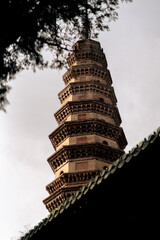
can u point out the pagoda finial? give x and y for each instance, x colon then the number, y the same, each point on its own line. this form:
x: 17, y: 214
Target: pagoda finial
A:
x: 86, y: 31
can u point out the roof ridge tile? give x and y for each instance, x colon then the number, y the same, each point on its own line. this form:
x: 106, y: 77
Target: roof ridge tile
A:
x: 158, y: 130
x: 121, y: 162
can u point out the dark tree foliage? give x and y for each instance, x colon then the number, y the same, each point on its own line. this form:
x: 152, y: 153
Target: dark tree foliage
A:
x: 29, y: 26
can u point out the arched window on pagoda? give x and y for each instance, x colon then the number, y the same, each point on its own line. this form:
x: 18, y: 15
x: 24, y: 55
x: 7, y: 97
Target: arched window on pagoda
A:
x: 105, y: 142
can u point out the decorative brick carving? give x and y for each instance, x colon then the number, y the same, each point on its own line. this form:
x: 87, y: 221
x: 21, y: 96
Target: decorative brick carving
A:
x: 85, y: 87
x: 90, y: 70
x: 87, y: 55
x: 87, y: 106
x: 60, y: 189
x: 79, y: 151
x: 94, y: 126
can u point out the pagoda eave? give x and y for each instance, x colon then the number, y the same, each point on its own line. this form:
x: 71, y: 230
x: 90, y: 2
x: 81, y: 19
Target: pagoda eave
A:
x: 88, y: 126
x: 70, y: 178
x: 88, y: 86
x: 87, y: 150
x: 97, y: 106
x: 87, y: 70
x: 66, y: 185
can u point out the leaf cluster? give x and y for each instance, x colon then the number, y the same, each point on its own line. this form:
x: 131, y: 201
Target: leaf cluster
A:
x: 29, y: 26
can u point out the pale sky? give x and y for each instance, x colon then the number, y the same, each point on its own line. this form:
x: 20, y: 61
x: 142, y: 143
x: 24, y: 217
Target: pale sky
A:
x: 132, y: 49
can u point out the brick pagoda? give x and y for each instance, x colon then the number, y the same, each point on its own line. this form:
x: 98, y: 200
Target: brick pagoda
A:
x: 89, y: 137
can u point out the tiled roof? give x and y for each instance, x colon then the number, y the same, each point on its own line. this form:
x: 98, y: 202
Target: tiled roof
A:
x: 96, y: 181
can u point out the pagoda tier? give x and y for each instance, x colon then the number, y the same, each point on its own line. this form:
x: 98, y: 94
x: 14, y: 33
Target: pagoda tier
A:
x: 75, y: 73
x: 87, y: 50
x: 74, y: 90
x: 87, y: 127
x: 72, y: 109
x: 79, y: 152
x: 89, y: 137
x: 66, y: 185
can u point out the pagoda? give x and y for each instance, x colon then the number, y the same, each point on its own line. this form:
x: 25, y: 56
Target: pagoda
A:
x: 89, y: 137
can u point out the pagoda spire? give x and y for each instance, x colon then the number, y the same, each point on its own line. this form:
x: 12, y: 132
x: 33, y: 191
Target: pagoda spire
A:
x: 86, y: 30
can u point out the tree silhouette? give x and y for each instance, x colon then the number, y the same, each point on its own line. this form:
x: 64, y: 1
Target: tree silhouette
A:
x: 29, y: 26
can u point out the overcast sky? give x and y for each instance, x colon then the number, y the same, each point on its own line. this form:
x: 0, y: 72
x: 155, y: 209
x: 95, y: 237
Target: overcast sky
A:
x: 132, y: 49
